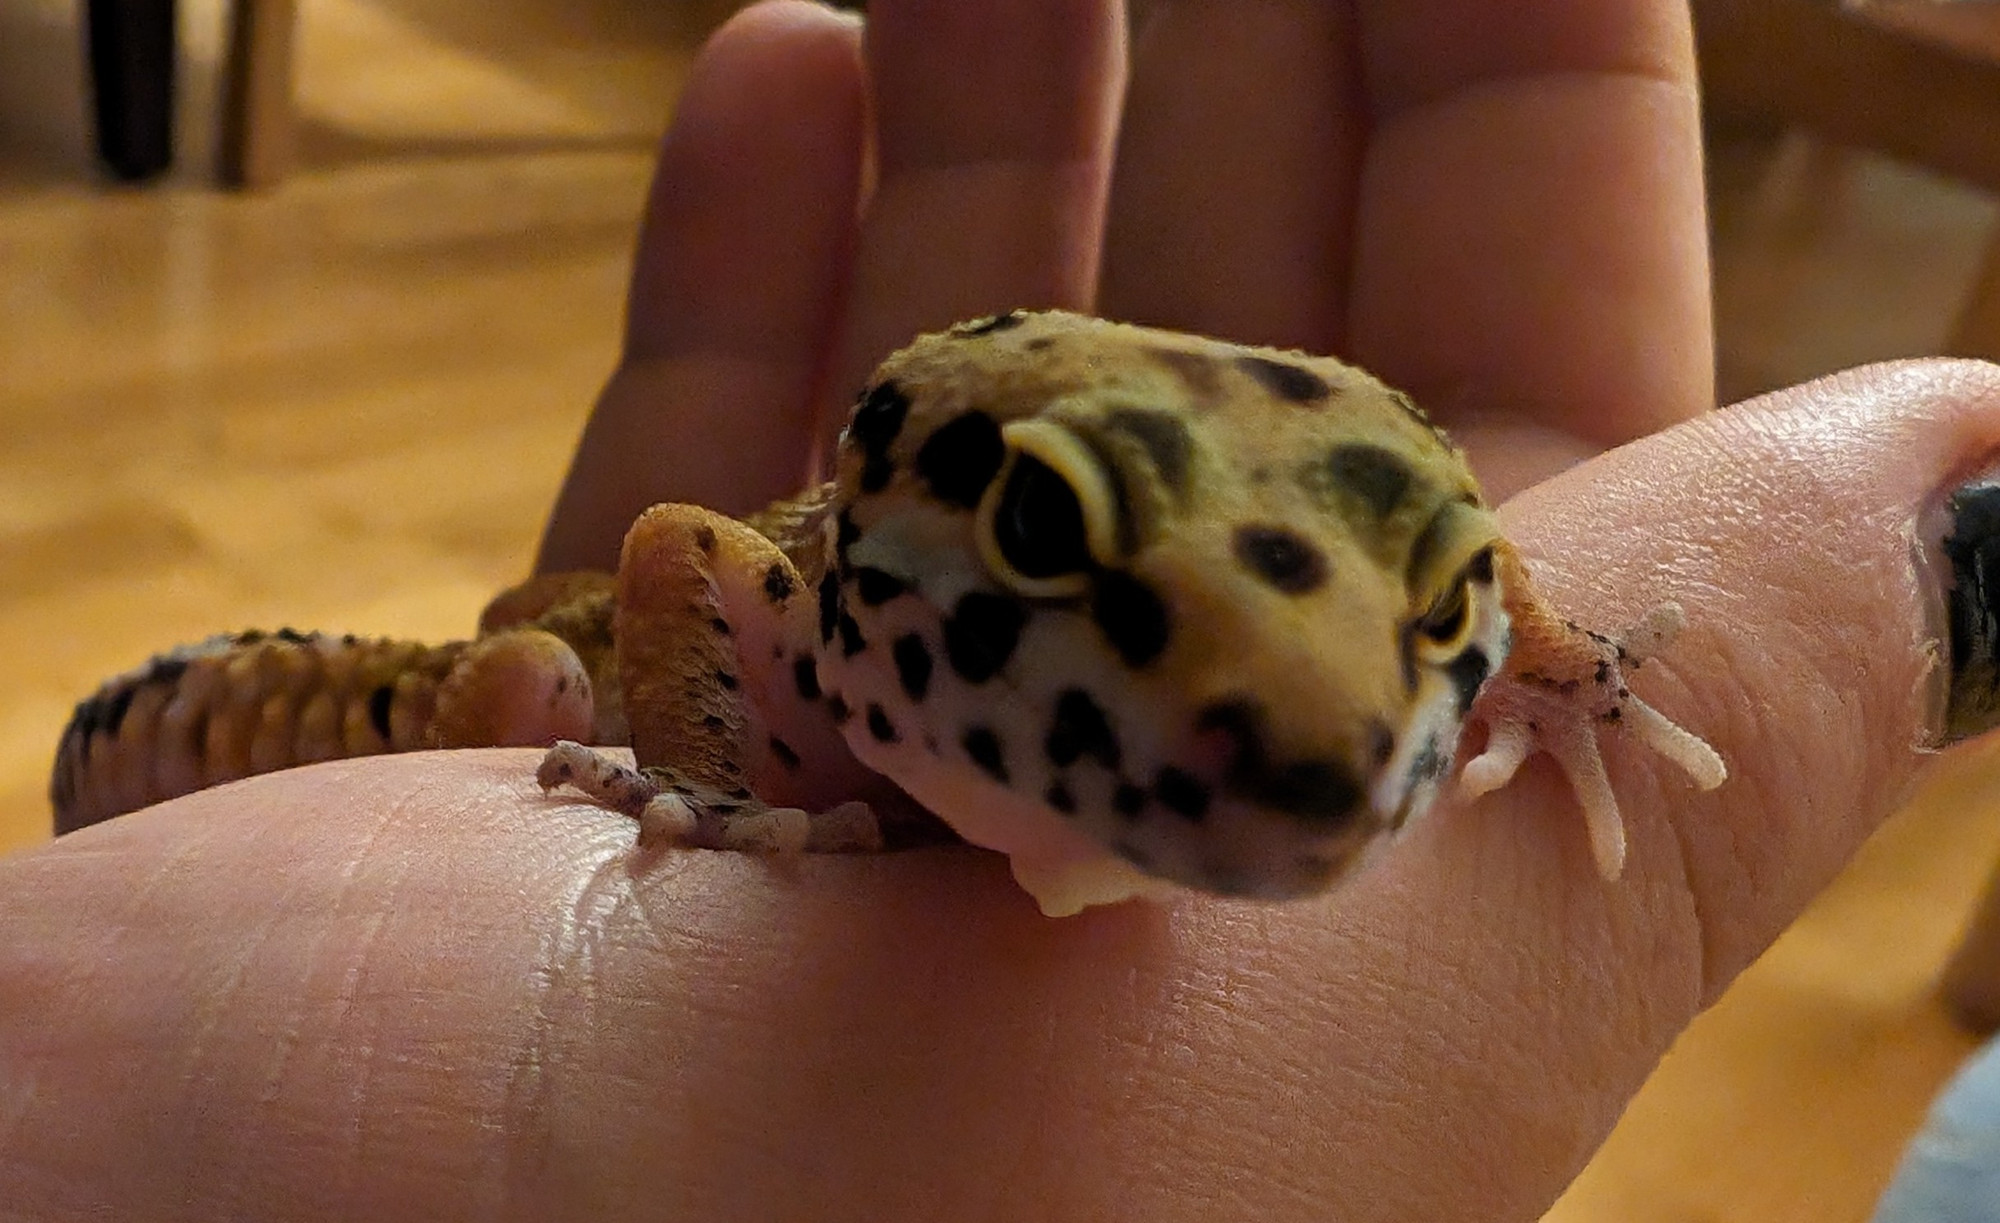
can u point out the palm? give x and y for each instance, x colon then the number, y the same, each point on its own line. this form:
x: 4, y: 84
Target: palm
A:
x: 1497, y: 207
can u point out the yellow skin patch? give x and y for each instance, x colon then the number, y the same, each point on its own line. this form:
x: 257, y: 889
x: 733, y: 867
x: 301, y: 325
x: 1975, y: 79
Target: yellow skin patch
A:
x: 1139, y: 609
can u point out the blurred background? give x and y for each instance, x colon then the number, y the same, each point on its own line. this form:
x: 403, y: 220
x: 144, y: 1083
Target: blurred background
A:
x: 343, y: 399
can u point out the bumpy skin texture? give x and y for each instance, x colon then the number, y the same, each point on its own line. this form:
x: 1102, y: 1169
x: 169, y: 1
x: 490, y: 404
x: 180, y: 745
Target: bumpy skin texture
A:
x: 1136, y: 608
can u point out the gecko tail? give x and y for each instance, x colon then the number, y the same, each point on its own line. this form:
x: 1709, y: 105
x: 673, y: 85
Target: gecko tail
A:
x: 248, y: 703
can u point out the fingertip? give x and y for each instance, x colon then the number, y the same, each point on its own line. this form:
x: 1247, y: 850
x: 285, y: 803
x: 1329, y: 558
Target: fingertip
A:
x: 742, y: 261
x: 752, y: 205
x: 1790, y: 530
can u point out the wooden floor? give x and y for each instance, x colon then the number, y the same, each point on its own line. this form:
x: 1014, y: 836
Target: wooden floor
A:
x: 347, y: 403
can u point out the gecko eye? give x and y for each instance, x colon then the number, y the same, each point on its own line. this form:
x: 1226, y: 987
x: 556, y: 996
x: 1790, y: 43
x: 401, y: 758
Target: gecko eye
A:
x: 1044, y: 523
x: 1038, y: 523
x: 1443, y: 630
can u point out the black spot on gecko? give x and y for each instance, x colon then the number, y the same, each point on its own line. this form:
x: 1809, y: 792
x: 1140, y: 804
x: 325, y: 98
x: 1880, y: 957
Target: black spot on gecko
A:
x: 1165, y: 439
x: 1059, y: 798
x: 851, y: 640
x: 715, y: 722
x: 778, y: 584
x: 727, y: 680
x: 805, y: 677
x: 1375, y: 477
x: 721, y: 626
x: 166, y: 670
x: 1182, y: 793
x: 961, y: 458
x: 1293, y: 383
x: 1480, y: 567
x: 1131, y: 616
x: 1196, y: 371
x: 876, y: 472
x: 109, y: 714
x: 878, y: 418
x: 981, y: 633
x: 784, y: 753
x: 1281, y: 557
x: 838, y: 709
x: 844, y: 534
x: 1468, y: 671
x: 879, y: 725
x: 1432, y: 763
x: 1081, y: 729
x: 293, y: 636
x: 913, y: 665
x: 704, y: 539
x: 829, y: 606
x: 990, y: 324
x: 983, y: 746
x: 1128, y: 800
x: 380, y: 702
x: 876, y: 586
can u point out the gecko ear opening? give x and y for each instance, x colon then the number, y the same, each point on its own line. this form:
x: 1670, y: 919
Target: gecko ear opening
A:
x: 1050, y: 517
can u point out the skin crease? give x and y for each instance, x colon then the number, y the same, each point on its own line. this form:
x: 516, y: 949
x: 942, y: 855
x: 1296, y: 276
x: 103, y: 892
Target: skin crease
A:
x: 414, y: 988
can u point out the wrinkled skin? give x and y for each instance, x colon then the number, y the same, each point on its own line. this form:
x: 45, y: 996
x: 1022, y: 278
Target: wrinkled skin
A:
x: 412, y: 987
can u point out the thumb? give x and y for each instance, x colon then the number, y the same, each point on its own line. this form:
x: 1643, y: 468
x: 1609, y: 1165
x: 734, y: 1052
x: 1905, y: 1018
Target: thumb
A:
x: 1802, y: 535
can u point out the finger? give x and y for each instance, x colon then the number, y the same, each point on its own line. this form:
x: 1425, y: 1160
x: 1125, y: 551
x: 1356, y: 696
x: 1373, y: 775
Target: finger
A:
x: 993, y: 127
x: 1530, y: 236
x: 736, y: 284
x: 1784, y: 529
x: 1233, y: 197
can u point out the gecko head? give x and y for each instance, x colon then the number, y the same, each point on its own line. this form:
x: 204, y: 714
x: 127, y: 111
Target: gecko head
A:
x: 1220, y: 610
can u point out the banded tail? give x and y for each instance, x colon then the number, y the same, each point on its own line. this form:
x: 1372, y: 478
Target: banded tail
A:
x: 241, y: 704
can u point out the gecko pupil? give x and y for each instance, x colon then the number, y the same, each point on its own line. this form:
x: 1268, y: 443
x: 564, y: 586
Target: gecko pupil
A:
x: 1446, y: 621
x: 1039, y: 525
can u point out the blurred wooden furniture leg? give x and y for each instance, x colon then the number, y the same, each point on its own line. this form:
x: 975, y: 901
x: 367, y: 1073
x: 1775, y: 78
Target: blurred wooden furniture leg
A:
x: 132, y: 84
x: 1972, y: 979
x: 1976, y: 333
x: 255, y: 145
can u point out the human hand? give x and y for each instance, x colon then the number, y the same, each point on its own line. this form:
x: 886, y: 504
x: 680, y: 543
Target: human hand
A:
x: 412, y: 987
x: 1497, y: 207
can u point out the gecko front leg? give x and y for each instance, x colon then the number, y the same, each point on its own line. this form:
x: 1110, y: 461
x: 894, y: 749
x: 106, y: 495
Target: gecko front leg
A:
x: 1560, y: 686
x: 736, y: 746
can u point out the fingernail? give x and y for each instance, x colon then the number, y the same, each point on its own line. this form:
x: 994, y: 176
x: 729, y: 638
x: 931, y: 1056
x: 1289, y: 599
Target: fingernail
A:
x: 1971, y: 548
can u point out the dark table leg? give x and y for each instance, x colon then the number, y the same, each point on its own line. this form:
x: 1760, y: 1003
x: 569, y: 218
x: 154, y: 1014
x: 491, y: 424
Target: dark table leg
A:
x: 132, y: 78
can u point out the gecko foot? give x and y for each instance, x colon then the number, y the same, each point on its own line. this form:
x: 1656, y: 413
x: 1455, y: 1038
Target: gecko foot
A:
x: 1562, y: 684
x: 671, y: 810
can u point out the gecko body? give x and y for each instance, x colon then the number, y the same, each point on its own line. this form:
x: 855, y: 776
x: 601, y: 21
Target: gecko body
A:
x: 1139, y: 609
